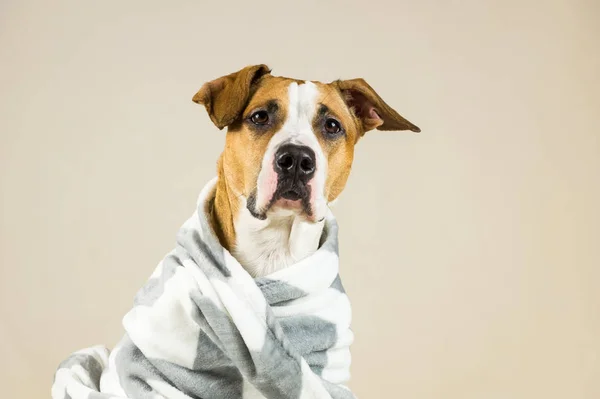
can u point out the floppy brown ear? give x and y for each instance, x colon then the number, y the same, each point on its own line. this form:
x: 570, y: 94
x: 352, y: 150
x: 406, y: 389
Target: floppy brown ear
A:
x: 373, y: 112
x: 225, y: 98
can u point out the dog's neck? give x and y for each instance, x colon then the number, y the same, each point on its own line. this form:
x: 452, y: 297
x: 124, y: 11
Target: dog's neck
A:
x: 265, y: 246
x: 261, y: 246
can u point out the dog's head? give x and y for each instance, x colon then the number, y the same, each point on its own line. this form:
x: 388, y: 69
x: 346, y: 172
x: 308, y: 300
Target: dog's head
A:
x: 290, y: 143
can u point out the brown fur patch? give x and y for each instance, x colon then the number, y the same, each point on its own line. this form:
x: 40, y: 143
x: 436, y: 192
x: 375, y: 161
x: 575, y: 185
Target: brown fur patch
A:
x: 339, y: 151
x: 245, y: 145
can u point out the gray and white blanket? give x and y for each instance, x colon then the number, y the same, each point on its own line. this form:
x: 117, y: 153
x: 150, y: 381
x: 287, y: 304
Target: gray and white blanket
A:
x: 202, y: 327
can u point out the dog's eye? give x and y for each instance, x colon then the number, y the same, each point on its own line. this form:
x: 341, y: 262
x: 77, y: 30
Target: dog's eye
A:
x: 332, y: 126
x: 260, y: 117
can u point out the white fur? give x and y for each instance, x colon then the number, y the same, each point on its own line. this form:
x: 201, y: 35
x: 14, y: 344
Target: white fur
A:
x: 284, y: 237
x: 265, y: 246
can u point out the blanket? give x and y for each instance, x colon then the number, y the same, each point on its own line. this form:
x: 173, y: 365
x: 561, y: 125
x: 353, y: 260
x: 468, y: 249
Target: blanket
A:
x: 202, y: 327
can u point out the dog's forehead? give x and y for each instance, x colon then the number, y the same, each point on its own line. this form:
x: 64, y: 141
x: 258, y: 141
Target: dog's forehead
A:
x: 297, y: 92
x: 273, y: 88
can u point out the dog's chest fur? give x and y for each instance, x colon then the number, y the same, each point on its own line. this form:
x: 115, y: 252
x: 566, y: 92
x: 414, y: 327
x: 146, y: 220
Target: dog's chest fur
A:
x: 265, y: 246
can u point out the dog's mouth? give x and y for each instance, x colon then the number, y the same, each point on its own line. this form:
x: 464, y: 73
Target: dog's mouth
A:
x: 291, y: 191
x: 289, y: 194
x: 292, y: 194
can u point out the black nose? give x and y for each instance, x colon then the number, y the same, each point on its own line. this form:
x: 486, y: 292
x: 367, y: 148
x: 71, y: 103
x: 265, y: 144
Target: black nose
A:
x: 295, y: 161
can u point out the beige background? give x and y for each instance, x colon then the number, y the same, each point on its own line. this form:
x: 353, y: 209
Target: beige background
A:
x: 471, y: 252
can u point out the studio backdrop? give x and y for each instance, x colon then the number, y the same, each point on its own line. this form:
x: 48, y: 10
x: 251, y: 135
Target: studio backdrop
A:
x: 470, y: 251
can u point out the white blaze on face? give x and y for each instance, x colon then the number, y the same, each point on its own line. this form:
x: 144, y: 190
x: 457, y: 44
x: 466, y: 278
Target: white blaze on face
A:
x: 297, y: 129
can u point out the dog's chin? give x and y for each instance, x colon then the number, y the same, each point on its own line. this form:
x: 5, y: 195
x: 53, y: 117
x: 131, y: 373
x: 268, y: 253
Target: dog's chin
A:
x: 283, y: 204
x: 287, y: 207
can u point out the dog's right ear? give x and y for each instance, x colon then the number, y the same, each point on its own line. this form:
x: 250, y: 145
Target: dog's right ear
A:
x: 225, y: 98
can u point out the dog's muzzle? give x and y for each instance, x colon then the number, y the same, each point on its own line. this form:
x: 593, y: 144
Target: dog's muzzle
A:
x: 295, y: 166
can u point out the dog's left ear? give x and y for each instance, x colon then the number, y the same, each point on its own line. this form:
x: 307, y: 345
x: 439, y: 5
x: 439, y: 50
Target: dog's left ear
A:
x: 225, y: 98
x: 372, y: 111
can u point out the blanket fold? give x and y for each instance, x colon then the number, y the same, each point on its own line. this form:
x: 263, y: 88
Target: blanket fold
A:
x: 202, y: 327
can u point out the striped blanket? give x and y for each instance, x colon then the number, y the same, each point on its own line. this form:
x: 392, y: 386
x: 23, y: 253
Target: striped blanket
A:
x: 202, y: 327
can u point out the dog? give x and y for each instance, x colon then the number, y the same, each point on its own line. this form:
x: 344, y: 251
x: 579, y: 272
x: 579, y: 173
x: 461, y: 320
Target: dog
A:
x: 225, y: 315
x: 288, y: 152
